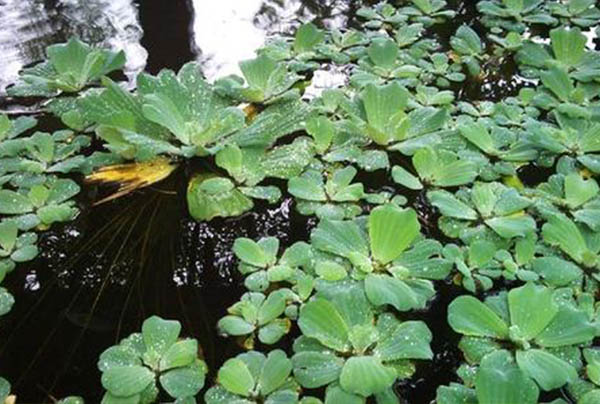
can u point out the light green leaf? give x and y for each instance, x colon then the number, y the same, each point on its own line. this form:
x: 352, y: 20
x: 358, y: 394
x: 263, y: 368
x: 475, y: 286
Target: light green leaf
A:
x: 546, y: 369
x: 366, y: 375
x: 579, y: 190
x: 234, y: 325
x: 306, y: 188
x: 561, y: 231
x: 319, y: 319
x: 275, y: 371
x: 512, y: 226
x: 568, y: 45
x: 342, y: 238
x: 13, y: 203
x: 181, y: 353
x: 184, y: 382
x: 568, y: 327
x: 316, y: 369
x: 384, y: 289
x: 384, y: 108
x: 531, y: 308
x: 469, y: 316
x: 8, y: 235
x: 123, y: 381
x: 307, y: 37
x: 210, y: 197
x: 159, y: 334
x: 403, y: 177
x: 383, y: 52
x: 235, y: 376
x: 6, y: 301
x: 477, y: 133
x: 410, y: 340
x: 450, y: 206
x: 500, y: 381
x: 250, y: 252
x: 558, y: 81
x: 391, y: 231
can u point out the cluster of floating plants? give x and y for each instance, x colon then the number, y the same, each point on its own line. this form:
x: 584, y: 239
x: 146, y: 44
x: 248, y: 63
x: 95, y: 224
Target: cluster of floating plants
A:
x: 526, y: 256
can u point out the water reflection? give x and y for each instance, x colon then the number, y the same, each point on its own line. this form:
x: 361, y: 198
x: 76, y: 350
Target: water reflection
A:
x: 27, y: 27
x: 228, y: 31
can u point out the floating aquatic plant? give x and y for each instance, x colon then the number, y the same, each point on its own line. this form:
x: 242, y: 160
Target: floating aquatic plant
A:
x: 458, y: 206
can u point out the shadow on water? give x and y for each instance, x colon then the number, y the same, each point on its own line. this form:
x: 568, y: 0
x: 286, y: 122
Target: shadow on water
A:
x: 100, y: 276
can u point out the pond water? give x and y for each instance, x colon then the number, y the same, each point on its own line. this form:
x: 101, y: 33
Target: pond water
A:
x: 100, y: 276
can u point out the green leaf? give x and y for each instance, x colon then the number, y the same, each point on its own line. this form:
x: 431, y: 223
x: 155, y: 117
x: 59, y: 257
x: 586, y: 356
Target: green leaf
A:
x: 558, y: 81
x: 185, y: 381
x: 546, y: 369
x: 272, y: 307
x: 556, y: 271
x: 340, y: 237
x: 512, y: 226
x: 6, y: 301
x: 307, y: 37
x: 383, y: 52
x: 319, y: 319
x: 500, y: 381
x: 218, y: 395
x: 258, y: 71
x: 335, y: 394
x: 561, y: 231
x: 450, y: 206
x: 568, y: 45
x: 231, y: 159
x: 8, y: 235
x: 384, y: 289
x: 210, y: 197
x: 443, y: 169
x: 306, y: 188
x: 234, y: 325
x: 13, y: 203
x: 118, y: 355
x: 478, y: 134
x: 250, y: 252
x: 391, y: 231
x: 467, y: 42
x: 366, y: 375
x: 405, y: 178
x: 409, y: 340
x: 272, y: 332
x: 235, y: 376
x: 330, y: 270
x: 123, y: 381
x: 568, y: 327
x: 469, y: 316
x: 531, y: 308
x: 316, y: 369
x: 25, y: 253
x: 384, y: 108
x: 579, y: 190
x: 182, y: 353
x: 322, y: 130
x: 159, y: 335
x: 274, y: 373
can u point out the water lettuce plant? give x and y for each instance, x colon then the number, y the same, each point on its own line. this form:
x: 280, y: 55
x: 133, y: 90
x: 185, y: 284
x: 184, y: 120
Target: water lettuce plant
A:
x: 253, y: 377
x: 69, y: 68
x: 343, y: 344
x: 457, y: 160
x: 133, y: 369
x: 536, y: 321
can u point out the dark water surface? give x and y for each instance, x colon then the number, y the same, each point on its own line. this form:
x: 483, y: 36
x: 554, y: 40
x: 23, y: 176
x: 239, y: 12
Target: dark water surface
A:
x: 100, y: 276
